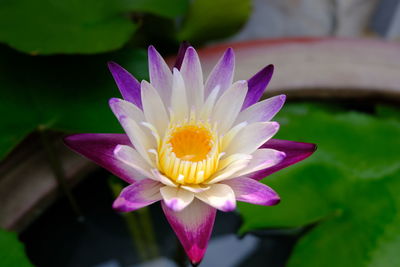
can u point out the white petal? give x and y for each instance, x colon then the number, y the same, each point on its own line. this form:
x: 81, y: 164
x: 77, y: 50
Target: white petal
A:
x: 252, y: 137
x: 209, y: 104
x: 228, y: 137
x: 193, y: 76
x: 140, y: 140
x: 179, y: 102
x: 222, y: 73
x: 195, y: 188
x: 231, y: 165
x: 131, y: 157
x: 229, y: 105
x: 153, y: 131
x: 219, y: 196
x: 176, y: 198
x: 153, y: 108
x: 262, y: 159
x: 160, y: 75
x: 123, y: 108
x: 262, y: 111
x: 162, y: 178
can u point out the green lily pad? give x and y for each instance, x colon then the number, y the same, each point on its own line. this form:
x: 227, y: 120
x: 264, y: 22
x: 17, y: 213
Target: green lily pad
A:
x: 59, y: 92
x: 348, y: 189
x: 214, y: 19
x: 12, y: 252
x: 75, y: 27
x: 168, y: 9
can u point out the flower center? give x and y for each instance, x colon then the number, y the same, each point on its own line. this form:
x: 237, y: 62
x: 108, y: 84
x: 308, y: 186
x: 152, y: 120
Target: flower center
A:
x: 189, y: 153
x: 191, y: 143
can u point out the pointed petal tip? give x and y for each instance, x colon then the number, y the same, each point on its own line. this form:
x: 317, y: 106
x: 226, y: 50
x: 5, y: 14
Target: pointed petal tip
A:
x: 191, y: 49
x: 111, y: 64
x: 122, y: 205
x: 175, y: 204
x: 117, y: 149
x: 295, y: 152
x: 126, y: 83
x: 191, y: 55
x: 257, y: 85
x: 119, y: 204
x: 282, y: 97
x: 114, y: 66
x: 113, y: 101
x: 144, y: 83
x: 315, y: 147
x: 229, y: 54
x: 195, y: 263
x: 273, y: 201
x: 267, y: 72
x: 151, y: 48
x: 69, y: 139
x: 152, y: 53
x: 74, y: 140
x: 275, y: 125
x: 229, y: 206
x: 242, y: 82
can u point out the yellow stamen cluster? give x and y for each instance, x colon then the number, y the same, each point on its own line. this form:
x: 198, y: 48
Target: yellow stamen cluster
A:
x: 189, y: 153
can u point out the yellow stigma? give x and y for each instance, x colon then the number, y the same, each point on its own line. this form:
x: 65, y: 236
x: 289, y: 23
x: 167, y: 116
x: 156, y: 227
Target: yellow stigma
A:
x: 189, y: 153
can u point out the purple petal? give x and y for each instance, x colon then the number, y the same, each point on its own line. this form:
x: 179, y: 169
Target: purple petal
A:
x: 295, y: 152
x: 262, y: 111
x: 251, y: 191
x: 160, y: 74
x: 138, y: 195
x: 193, y: 226
x: 257, y: 85
x: 127, y: 84
x: 181, y: 54
x: 222, y: 74
x: 100, y: 149
x: 193, y: 77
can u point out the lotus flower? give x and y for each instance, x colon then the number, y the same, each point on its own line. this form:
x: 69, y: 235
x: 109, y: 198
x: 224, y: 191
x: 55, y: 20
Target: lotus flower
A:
x: 198, y: 147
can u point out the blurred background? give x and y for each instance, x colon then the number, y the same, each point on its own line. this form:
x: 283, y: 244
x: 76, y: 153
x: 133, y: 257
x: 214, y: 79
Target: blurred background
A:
x: 338, y: 61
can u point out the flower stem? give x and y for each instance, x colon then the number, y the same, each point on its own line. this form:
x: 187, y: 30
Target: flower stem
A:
x: 55, y: 165
x: 148, y: 231
x: 140, y: 227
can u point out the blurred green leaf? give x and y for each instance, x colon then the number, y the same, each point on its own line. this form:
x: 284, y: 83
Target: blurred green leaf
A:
x: 12, y: 252
x: 74, y: 26
x: 361, y: 235
x: 64, y: 26
x: 59, y: 92
x: 214, y: 19
x: 168, y: 9
x: 349, y: 188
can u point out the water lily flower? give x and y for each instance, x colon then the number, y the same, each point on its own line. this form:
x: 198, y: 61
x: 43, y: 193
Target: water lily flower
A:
x: 195, y: 146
